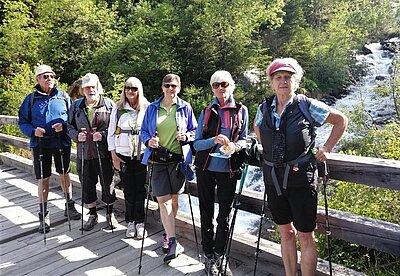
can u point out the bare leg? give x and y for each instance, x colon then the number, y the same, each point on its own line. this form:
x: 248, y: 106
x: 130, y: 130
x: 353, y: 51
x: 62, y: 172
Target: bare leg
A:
x: 175, y: 204
x: 308, y: 253
x: 64, y: 178
x: 167, y: 214
x: 288, y: 248
x: 43, y: 191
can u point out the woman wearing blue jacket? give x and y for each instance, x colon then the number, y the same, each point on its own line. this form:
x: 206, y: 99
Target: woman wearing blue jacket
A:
x: 43, y: 117
x: 168, y: 126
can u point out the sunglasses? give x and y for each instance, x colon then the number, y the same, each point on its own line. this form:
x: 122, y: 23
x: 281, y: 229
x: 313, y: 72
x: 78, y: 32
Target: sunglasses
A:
x: 48, y: 77
x: 131, y: 88
x: 167, y: 85
x: 223, y: 84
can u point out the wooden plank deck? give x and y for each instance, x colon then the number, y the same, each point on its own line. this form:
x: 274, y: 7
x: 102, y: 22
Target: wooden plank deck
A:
x: 100, y: 252
x: 97, y: 252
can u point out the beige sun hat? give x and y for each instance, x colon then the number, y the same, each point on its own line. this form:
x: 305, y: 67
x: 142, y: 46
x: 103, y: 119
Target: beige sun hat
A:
x: 43, y: 68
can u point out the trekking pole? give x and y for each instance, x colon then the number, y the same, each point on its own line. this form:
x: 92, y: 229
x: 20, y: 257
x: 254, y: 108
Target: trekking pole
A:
x: 262, y: 215
x: 63, y: 182
x: 147, y: 209
x: 41, y: 185
x: 190, y: 204
x: 235, y: 204
x: 103, y: 185
x: 324, y: 169
x: 82, y: 179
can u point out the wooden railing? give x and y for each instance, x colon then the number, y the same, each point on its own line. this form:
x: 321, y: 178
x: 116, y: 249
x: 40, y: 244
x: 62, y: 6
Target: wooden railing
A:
x: 374, y: 172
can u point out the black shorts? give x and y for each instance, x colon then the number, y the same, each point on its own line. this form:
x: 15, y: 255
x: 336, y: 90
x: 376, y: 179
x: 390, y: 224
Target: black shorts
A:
x: 166, y: 179
x: 297, y: 205
x: 47, y: 161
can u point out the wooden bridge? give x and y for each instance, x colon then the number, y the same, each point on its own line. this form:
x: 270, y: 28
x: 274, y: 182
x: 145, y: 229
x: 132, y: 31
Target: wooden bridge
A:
x: 99, y: 252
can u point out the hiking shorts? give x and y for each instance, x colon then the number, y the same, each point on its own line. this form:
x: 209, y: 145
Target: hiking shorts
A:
x: 297, y: 205
x: 166, y: 179
x: 47, y: 161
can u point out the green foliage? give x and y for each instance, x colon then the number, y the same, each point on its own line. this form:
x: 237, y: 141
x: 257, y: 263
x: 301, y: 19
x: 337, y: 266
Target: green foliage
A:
x: 14, y: 87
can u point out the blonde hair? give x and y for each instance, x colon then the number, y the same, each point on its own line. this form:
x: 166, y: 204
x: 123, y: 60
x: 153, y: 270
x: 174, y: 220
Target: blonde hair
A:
x: 141, y: 100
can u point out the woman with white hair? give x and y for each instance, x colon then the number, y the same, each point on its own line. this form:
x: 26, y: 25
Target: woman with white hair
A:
x: 222, y: 125
x: 285, y: 124
x: 88, y: 121
x: 127, y: 149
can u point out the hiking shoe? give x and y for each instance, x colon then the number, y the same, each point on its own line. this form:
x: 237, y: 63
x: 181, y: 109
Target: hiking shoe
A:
x: 92, y: 221
x: 221, y: 263
x: 73, y: 213
x: 44, y: 224
x: 165, y: 243
x: 174, y: 250
x: 131, y: 230
x: 111, y: 221
x: 140, y: 230
x: 210, y: 266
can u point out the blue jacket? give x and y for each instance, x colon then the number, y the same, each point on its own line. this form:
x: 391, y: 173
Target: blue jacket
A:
x: 185, y: 119
x: 46, y: 111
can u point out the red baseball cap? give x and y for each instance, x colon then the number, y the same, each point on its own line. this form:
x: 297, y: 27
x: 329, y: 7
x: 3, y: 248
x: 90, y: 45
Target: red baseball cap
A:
x: 279, y: 65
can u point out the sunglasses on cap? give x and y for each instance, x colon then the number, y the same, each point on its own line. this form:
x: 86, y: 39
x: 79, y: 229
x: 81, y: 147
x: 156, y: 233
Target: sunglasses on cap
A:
x: 168, y: 85
x: 131, y: 88
x: 223, y: 84
x: 48, y: 77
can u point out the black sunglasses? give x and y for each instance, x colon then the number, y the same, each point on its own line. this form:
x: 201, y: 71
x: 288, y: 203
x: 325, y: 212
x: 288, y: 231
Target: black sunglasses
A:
x: 48, y: 77
x: 168, y: 85
x: 223, y: 84
x: 131, y: 88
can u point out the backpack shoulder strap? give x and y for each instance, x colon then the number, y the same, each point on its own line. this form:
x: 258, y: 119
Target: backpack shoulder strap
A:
x: 207, y: 114
x: 304, y: 105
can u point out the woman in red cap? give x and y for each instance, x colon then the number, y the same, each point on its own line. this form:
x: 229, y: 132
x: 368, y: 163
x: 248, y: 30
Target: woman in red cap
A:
x: 285, y: 124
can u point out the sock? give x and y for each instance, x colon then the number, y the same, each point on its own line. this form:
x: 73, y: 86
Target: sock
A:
x: 172, y: 240
x: 109, y: 209
x: 69, y: 196
x: 93, y: 211
x: 41, y: 207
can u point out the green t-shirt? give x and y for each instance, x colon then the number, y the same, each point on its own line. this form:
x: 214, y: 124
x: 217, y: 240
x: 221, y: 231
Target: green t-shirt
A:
x: 166, y: 128
x: 90, y: 111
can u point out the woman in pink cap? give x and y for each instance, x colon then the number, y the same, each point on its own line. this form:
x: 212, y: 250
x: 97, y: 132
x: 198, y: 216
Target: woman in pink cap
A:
x: 285, y: 124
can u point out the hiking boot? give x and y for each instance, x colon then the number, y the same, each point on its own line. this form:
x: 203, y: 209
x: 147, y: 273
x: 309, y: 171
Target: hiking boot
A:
x: 174, y: 250
x: 140, y: 230
x: 210, y: 266
x: 221, y: 263
x: 92, y: 221
x: 44, y: 224
x: 165, y: 243
x: 131, y: 230
x: 111, y: 221
x: 73, y: 213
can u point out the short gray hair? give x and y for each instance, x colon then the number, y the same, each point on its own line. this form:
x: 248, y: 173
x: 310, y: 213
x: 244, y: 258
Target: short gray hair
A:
x: 224, y: 76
